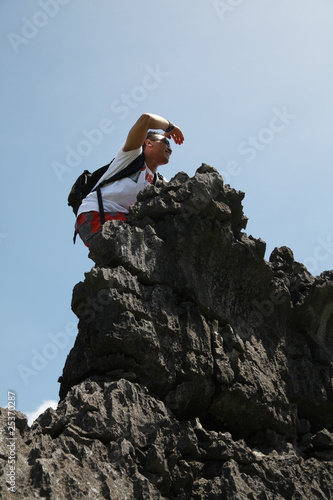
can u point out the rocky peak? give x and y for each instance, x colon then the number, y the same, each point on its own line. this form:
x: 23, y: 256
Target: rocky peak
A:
x: 200, y: 370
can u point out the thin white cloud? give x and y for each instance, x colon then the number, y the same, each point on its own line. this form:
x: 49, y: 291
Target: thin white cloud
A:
x: 34, y: 414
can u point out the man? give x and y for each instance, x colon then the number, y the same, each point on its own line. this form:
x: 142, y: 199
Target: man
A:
x: 119, y: 195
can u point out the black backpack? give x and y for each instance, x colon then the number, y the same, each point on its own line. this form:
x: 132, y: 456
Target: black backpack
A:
x: 85, y: 183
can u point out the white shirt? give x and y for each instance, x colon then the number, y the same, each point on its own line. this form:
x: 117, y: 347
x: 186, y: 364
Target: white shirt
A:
x: 119, y: 195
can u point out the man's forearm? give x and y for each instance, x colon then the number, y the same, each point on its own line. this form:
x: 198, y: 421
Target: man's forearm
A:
x: 138, y: 132
x: 156, y: 122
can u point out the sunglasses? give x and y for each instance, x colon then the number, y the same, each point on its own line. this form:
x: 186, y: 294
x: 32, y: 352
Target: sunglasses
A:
x: 164, y: 139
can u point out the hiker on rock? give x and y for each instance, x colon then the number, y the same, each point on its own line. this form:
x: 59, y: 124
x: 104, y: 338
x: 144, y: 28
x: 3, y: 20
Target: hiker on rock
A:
x: 133, y: 168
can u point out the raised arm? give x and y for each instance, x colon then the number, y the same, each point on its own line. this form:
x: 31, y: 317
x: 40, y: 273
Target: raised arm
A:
x: 147, y: 121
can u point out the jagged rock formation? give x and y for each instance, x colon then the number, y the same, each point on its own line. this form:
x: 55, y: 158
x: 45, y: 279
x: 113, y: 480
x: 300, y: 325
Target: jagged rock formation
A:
x: 200, y: 370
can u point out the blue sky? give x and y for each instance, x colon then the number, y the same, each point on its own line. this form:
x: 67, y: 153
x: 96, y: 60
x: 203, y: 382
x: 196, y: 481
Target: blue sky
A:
x: 249, y: 83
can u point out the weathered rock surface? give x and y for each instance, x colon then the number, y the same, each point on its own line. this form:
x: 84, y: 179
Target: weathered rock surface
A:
x: 200, y: 370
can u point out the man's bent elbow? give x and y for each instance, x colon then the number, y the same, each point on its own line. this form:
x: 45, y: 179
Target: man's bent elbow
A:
x: 144, y: 120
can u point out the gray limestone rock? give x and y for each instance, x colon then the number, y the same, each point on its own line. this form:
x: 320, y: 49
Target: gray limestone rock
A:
x: 200, y: 370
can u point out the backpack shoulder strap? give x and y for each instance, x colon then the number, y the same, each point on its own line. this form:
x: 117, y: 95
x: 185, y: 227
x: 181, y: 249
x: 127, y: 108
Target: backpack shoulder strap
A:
x: 100, y: 205
x: 158, y: 179
x: 132, y: 168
